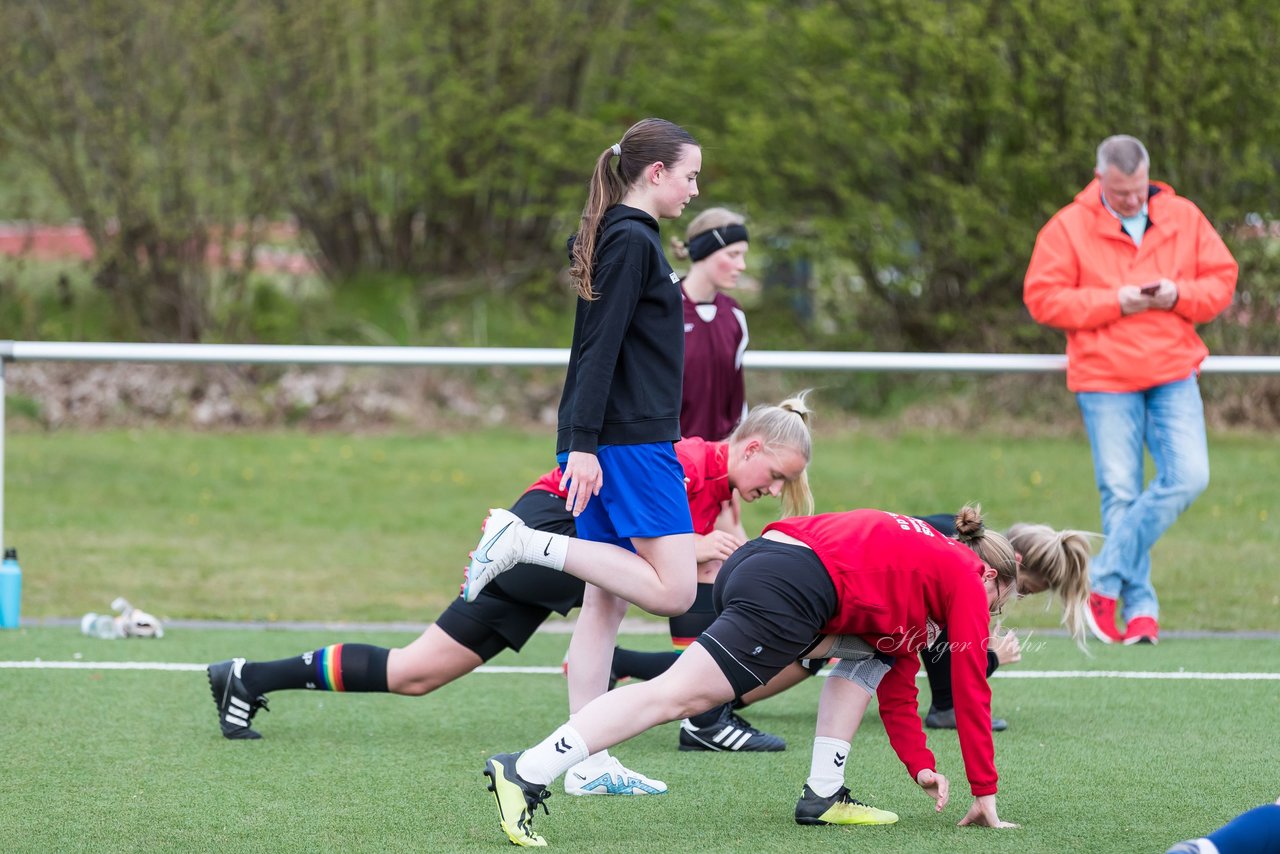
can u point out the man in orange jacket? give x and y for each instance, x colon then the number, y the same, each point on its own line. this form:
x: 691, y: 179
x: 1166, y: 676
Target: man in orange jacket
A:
x: 1127, y: 270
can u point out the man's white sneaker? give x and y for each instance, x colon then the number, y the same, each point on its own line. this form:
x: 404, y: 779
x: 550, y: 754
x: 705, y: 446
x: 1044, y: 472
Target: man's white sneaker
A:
x: 602, y: 774
x: 500, y: 549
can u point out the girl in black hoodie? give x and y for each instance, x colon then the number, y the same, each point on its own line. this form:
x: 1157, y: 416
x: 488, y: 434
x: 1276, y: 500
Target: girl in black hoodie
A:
x: 618, y: 421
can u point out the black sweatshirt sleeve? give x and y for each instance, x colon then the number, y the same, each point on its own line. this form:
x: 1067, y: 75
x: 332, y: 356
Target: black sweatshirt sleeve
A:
x: 604, y: 324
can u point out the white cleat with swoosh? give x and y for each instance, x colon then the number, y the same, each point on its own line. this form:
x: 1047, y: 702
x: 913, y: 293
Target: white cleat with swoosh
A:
x: 501, y: 548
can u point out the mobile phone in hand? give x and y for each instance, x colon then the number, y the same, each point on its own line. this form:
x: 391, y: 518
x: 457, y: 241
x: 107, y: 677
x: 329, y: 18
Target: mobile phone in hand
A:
x: 1149, y: 290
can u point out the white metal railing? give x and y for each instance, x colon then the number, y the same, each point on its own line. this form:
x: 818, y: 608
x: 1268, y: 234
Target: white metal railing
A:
x: 285, y: 354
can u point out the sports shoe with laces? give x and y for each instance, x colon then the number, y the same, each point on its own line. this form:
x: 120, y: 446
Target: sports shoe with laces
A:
x: 236, y: 704
x: 517, y: 799
x: 1142, y: 630
x: 602, y: 774
x: 500, y: 549
x: 729, y: 733
x: 838, y: 809
x: 946, y: 719
x: 1101, y: 617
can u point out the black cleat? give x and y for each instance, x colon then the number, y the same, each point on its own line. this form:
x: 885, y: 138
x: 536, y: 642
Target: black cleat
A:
x: 729, y: 733
x: 838, y: 809
x: 236, y: 706
x: 517, y: 800
x: 946, y: 719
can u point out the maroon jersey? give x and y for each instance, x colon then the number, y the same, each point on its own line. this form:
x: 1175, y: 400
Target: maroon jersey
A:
x: 715, y: 339
x: 897, y: 581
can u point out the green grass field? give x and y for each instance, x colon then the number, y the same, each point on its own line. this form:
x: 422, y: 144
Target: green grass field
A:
x: 338, y: 528
x: 108, y: 760
x: 289, y: 526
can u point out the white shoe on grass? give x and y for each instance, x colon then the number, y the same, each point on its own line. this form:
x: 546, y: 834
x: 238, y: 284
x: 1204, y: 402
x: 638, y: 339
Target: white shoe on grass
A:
x: 602, y: 774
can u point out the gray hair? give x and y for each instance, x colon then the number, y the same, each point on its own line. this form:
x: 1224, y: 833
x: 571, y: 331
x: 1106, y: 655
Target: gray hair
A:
x: 1126, y: 153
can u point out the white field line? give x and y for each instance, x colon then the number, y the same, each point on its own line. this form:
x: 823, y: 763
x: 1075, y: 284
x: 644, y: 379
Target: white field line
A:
x: 1178, y: 675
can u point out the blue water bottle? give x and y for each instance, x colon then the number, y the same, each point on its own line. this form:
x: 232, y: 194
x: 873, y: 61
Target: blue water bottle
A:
x: 10, y: 590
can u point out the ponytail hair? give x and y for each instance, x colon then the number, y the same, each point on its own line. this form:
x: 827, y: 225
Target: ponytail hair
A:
x: 992, y: 547
x: 647, y: 141
x: 784, y: 426
x: 1060, y: 559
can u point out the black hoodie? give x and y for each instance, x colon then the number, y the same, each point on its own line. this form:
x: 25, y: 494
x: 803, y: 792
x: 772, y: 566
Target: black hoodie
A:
x: 627, y: 361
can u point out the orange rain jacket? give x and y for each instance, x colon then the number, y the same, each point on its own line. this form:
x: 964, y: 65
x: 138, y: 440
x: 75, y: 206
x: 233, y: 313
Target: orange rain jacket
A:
x: 1082, y: 258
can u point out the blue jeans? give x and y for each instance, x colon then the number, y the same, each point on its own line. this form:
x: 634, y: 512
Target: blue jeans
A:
x: 1170, y: 420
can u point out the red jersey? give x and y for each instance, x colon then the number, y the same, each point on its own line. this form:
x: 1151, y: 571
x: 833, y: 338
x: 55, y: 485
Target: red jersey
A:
x: 715, y: 340
x: 706, y: 480
x: 897, y: 579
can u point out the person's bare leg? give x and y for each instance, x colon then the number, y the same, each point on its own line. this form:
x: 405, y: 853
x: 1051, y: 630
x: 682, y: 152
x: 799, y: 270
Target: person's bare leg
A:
x: 591, y: 648
x: 693, y: 684
x: 825, y: 799
x: 841, y: 708
x: 433, y: 660
x: 660, y: 577
x: 793, y: 675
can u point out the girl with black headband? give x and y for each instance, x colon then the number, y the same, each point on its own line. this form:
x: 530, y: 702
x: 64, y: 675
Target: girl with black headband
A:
x: 619, y: 416
x: 715, y: 327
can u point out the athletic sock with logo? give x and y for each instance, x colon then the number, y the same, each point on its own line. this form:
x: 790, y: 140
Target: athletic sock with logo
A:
x: 552, y: 756
x: 340, y: 667
x: 826, y: 769
x: 543, y: 548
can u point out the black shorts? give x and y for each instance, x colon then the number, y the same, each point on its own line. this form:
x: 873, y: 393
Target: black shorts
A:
x: 773, y: 600
x: 511, y: 607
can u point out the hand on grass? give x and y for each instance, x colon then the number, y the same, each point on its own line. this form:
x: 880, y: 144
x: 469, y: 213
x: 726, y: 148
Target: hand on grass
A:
x: 983, y: 814
x: 584, y: 478
x: 935, y: 786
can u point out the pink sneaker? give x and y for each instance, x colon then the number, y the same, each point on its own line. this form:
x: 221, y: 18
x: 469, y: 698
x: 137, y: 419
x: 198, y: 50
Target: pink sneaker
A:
x: 1102, y: 619
x: 1142, y: 630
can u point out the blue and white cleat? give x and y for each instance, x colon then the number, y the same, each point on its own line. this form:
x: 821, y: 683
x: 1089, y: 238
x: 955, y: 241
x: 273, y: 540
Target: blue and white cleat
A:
x: 602, y: 774
x: 500, y: 548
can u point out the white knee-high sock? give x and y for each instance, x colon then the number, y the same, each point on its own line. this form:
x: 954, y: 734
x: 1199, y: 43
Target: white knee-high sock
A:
x: 826, y: 769
x: 552, y: 756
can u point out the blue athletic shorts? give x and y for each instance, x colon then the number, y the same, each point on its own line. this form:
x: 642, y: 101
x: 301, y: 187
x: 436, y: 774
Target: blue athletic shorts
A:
x: 643, y: 495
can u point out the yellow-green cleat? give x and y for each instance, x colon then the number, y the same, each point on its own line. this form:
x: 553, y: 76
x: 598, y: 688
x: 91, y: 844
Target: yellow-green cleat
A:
x: 517, y: 800
x: 838, y: 809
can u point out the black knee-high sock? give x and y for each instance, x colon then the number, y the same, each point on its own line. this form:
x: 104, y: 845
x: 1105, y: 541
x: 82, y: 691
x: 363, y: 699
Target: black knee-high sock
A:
x: 937, y: 664
x: 630, y: 664
x: 686, y: 627
x: 340, y: 667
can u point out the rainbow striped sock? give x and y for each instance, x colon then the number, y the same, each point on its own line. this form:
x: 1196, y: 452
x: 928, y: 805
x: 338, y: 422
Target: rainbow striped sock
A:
x: 338, y: 667
x: 328, y: 665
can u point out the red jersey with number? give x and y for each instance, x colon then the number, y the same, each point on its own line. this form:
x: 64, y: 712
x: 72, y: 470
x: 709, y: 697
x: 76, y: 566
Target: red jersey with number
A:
x: 896, y: 578
x: 715, y: 341
x: 706, y: 480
